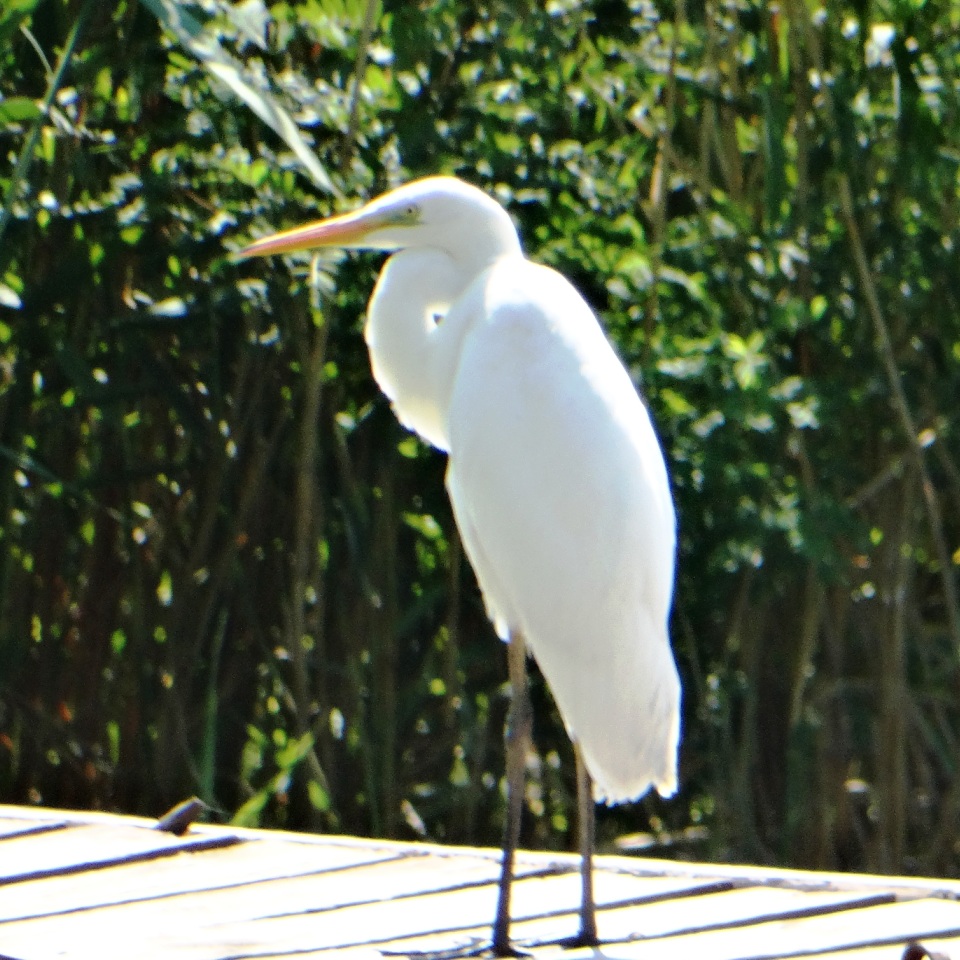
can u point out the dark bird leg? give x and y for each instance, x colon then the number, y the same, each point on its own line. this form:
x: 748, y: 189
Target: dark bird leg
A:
x: 518, y: 734
x: 587, y: 937
x: 587, y: 814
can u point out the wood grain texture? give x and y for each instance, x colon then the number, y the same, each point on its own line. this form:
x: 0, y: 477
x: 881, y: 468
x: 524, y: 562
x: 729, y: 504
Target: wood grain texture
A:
x: 112, y: 888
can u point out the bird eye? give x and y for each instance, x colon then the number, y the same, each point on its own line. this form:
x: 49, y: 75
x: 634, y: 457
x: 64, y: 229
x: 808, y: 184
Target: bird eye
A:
x: 405, y: 216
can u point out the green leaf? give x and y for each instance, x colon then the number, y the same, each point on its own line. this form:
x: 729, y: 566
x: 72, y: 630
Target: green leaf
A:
x: 19, y: 110
x: 208, y: 51
x: 295, y: 750
x: 118, y: 640
x: 319, y: 798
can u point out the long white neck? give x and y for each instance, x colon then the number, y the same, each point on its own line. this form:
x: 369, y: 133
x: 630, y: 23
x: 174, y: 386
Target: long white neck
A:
x: 407, y: 349
x: 414, y: 346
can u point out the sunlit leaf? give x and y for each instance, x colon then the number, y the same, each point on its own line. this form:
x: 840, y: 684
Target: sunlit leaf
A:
x: 229, y: 71
x: 9, y: 298
x: 18, y: 110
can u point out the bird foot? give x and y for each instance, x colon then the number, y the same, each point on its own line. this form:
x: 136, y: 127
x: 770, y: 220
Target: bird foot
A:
x: 474, y: 949
x: 507, y: 949
x: 582, y: 939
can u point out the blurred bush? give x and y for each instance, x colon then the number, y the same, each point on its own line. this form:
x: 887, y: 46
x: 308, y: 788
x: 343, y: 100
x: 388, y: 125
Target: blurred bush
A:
x: 225, y: 570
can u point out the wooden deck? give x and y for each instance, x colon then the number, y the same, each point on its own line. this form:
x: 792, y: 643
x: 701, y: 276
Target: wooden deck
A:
x: 101, y: 887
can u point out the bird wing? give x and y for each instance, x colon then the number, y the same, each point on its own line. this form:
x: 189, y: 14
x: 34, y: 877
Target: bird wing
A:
x: 561, y: 495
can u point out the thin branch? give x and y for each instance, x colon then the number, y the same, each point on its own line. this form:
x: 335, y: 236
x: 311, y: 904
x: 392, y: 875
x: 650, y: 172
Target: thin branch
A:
x: 306, y: 509
x: 656, y: 205
x: 901, y: 407
x: 32, y: 40
x: 359, y: 68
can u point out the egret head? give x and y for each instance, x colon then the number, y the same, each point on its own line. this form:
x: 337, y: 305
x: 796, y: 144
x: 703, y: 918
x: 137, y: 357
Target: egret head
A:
x: 440, y: 212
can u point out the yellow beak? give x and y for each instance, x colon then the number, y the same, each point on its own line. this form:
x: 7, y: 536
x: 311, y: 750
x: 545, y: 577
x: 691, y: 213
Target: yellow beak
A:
x: 342, y: 231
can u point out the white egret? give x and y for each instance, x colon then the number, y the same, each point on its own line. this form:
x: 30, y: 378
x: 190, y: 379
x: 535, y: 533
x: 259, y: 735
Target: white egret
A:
x: 555, y: 474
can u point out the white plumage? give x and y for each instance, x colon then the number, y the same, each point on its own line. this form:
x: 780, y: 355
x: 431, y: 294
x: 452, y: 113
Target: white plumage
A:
x: 555, y: 474
x: 561, y: 497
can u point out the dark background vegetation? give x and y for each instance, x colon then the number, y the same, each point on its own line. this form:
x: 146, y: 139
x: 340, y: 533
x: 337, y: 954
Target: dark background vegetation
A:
x: 226, y: 570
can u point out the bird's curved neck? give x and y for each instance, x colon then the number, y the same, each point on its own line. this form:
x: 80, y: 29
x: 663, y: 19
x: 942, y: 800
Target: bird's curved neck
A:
x: 414, y: 345
x: 413, y: 330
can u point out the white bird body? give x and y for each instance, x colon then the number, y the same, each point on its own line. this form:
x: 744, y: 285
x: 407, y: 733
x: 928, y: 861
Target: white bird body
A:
x: 559, y: 502
x: 556, y: 477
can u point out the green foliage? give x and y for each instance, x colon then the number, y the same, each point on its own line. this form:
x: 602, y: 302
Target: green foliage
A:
x: 225, y: 570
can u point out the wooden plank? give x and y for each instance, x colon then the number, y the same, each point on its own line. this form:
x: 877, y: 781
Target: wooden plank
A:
x: 307, y: 912
x: 78, y: 848
x: 316, y: 940
x: 711, y: 909
x: 740, y: 907
x: 11, y: 827
x: 775, y: 934
x: 796, y: 879
x: 251, y: 876
x: 892, y: 924
x: 109, y: 888
x: 463, y: 915
x: 949, y: 947
x: 180, y: 874
x: 48, y: 815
